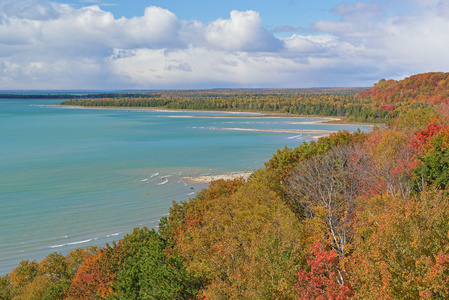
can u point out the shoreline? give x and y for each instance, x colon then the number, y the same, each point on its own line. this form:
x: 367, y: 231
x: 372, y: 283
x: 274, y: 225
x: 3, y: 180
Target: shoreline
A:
x: 203, y: 179
x: 233, y: 114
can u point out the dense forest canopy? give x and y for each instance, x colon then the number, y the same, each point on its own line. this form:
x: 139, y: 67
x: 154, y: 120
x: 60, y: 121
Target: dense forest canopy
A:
x: 430, y: 88
x: 352, y: 215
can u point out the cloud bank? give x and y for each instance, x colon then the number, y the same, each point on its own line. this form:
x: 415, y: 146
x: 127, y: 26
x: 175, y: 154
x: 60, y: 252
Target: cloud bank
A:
x: 46, y: 45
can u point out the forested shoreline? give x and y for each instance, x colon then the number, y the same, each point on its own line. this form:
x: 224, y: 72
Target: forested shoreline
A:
x: 352, y: 215
x: 331, y: 102
x: 382, y: 103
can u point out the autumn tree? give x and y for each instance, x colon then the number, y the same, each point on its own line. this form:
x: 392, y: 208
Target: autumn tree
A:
x: 323, y: 281
x: 5, y: 288
x: 394, y: 159
x: 23, y: 275
x: 422, y: 137
x: 97, y: 274
x: 246, y: 245
x: 327, y: 185
x: 402, y: 248
x: 435, y: 162
x: 443, y: 112
x: 415, y: 119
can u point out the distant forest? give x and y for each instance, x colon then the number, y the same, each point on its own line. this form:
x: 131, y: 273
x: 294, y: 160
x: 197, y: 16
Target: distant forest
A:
x: 350, y: 216
x: 338, y: 102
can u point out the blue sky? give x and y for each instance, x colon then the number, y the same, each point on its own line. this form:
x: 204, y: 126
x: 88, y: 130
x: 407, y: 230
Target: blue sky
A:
x: 292, y: 12
x: 191, y: 44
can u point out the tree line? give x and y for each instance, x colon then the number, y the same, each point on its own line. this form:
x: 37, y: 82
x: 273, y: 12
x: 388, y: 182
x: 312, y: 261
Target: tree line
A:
x: 338, y: 102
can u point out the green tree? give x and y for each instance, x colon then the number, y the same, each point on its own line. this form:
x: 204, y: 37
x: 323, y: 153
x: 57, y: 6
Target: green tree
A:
x: 5, y: 288
x: 149, y: 270
x: 415, y: 119
x: 435, y: 162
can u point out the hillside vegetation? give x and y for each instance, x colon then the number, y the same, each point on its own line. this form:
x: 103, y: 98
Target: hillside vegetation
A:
x: 430, y: 88
x: 352, y: 215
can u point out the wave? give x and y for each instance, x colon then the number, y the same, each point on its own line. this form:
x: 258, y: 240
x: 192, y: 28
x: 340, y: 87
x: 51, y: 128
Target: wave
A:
x: 80, y: 242
x: 84, y: 241
x: 72, y: 243
x: 297, y: 137
x: 113, y: 234
x: 163, y: 182
x: 151, y: 178
x: 204, y: 127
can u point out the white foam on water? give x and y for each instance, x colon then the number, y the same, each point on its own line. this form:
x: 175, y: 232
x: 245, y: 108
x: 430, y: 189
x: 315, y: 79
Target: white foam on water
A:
x: 80, y: 242
x: 163, y: 182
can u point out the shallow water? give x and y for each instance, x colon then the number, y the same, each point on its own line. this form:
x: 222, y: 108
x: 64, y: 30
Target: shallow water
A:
x: 77, y: 177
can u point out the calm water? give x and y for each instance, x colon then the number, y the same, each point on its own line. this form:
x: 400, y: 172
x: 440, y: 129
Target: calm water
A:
x: 77, y: 177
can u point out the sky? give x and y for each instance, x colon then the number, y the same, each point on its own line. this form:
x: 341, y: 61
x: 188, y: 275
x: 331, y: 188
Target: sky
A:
x: 199, y: 44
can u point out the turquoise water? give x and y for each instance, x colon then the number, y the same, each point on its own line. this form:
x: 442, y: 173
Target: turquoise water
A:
x: 77, y: 177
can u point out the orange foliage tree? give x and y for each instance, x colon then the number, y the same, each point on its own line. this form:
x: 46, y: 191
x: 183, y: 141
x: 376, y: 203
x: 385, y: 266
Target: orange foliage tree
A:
x: 97, y: 274
x: 402, y: 248
x: 245, y: 245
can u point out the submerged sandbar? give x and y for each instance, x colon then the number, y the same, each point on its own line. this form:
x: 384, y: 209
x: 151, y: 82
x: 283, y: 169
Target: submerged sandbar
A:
x: 212, y: 177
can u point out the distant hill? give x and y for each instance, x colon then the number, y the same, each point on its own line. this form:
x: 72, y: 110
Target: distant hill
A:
x: 430, y: 88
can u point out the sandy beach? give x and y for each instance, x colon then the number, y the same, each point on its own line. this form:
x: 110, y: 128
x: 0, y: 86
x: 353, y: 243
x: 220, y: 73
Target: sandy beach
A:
x: 212, y: 177
x: 231, y: 114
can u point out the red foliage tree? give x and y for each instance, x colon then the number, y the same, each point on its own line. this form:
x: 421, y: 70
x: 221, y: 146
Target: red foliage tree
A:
x: 422, y: 137
x: 97, y: 274
x: 324, y: 280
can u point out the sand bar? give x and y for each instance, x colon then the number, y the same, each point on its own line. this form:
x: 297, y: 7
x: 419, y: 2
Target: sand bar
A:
x: 212, y: 177
x: 316, y: 133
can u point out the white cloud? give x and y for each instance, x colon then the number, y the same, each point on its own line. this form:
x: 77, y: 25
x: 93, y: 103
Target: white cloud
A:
x: 241, y: 32
x: 300, y: 44
x: 82, y: 46
x: 417, y: 42
x: 157, y: 28
x: 48, y: 45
